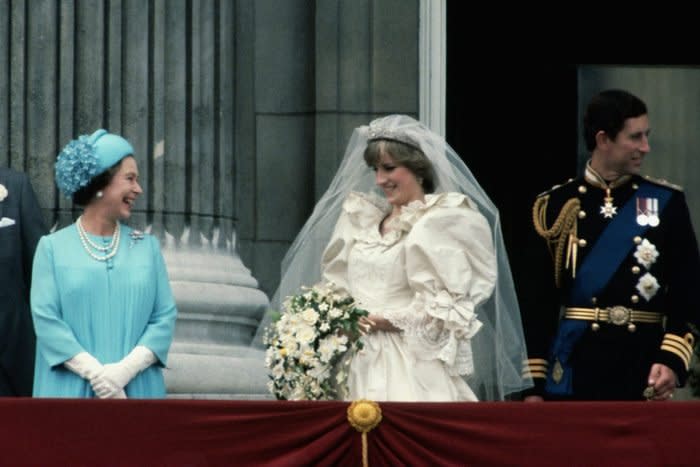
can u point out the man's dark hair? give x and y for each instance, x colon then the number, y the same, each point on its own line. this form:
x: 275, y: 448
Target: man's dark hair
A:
x: 607, y: 112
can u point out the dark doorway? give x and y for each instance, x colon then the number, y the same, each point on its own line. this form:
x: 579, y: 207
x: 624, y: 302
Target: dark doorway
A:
x: 514, y: 121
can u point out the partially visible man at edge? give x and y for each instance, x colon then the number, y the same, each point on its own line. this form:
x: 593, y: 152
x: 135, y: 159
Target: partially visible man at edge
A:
x: 21, y: 227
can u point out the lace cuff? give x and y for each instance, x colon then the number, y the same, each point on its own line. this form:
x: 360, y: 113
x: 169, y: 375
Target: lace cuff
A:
x: 442, y: 330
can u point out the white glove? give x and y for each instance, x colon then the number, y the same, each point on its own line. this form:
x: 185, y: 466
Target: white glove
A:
x: 116, y: 376
x: 84, y: 365
x: 88, y: 367
x: 107, y: 389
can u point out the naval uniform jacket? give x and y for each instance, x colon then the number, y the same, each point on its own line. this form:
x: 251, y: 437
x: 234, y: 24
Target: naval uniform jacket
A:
x: 612, y: 361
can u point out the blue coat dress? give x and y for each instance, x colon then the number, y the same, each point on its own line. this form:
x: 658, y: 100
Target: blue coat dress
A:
x: 103, y: 308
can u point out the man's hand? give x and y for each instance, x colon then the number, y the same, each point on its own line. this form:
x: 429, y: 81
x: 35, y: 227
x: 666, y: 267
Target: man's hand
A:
x: 663, y: 381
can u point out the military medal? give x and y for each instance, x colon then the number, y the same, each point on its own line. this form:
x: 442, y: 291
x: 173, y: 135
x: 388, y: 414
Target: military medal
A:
x: 648, y: 212
x: 654, y: 212
x: 608, y: 210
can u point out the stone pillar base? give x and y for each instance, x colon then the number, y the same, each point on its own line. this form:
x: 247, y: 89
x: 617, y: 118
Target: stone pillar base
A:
x: 216, y: 372
x: 219, y: 310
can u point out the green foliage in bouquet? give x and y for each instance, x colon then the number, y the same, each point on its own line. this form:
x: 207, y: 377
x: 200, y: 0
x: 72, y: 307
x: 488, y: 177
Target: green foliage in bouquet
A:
x: 310, y: 344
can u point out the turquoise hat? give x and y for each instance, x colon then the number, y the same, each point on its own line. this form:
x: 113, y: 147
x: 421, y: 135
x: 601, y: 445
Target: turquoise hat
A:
x: 89, y: 155
x: 110, y: 149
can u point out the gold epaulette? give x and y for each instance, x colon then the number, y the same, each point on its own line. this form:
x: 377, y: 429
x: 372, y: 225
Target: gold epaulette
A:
x: 663, y: 182
x: 682, y: 347
x: 562, y: 234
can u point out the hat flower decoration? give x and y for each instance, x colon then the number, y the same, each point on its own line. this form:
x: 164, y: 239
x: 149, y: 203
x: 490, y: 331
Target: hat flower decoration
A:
x: 76, y: 165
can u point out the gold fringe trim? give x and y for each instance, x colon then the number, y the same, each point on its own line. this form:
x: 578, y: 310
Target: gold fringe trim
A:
x: 562, y: 234
x: 364, y: 415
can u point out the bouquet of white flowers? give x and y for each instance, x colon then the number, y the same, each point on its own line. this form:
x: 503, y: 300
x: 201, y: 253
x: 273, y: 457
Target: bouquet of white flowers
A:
x: 310, y: 342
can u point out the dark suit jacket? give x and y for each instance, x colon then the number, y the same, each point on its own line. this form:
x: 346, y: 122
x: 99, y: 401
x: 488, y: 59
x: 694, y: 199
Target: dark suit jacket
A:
x: 17, y: 245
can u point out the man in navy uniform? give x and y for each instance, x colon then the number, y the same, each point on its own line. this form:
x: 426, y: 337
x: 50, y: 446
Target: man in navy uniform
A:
x: 21, y: 226
x: 615, y: 272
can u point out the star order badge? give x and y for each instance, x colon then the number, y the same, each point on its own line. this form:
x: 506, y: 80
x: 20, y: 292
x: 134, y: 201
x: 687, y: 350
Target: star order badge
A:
x: 608, y: 210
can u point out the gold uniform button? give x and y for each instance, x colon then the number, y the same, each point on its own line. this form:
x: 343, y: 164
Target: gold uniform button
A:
x: 637, y: 239
x: 582, y: 242
x: 635, y: 186
x: 582, y: 214
x: 634, y: 298
x: 582, y: 189
x: 594, y: 300
x: 635, y: 269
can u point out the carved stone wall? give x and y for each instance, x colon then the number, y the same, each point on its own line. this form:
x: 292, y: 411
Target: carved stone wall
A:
x: 239, y: 111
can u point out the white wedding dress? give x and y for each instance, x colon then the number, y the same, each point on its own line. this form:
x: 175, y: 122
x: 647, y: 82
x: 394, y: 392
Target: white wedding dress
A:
x: 426, y: 275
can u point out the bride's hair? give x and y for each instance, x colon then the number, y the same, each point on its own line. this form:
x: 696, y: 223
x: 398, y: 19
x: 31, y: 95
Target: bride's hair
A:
x: 405, y: 155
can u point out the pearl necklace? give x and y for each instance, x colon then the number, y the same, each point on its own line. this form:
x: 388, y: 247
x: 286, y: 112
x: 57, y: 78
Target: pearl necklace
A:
x: 109, y: 250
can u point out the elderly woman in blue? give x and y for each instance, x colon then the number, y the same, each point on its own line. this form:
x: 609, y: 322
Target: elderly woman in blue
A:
x: 103, y: 310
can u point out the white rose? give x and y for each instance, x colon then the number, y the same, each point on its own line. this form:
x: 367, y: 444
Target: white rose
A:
x: 3, y: 192
x: 306, y: 334
x: 310, y: 316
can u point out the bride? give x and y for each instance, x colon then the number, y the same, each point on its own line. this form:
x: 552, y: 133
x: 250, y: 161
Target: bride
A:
x: 422, y: 251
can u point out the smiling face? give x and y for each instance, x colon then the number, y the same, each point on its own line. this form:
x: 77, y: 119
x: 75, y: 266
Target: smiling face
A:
x: 624, y: 154
x: 121, y: 193
x: 399, y: 184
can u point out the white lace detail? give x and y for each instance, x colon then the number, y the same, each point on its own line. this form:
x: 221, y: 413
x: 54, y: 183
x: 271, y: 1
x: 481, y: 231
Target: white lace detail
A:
x: 444, y: 330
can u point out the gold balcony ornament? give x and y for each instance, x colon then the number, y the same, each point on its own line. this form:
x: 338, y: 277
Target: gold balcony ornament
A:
x: 364, y: 415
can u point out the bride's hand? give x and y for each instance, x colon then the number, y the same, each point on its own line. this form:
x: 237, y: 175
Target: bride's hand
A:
x: 367, y: 325
x: 373, y: 323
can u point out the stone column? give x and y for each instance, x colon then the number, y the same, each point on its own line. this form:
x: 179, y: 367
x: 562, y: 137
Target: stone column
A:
x: 219, y: 308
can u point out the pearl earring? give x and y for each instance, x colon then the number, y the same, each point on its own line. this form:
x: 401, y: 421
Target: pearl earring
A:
x: 99, y: 194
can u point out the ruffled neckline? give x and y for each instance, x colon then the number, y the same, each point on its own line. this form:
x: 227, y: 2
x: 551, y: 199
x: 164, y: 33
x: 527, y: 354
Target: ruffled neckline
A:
x: 366, y: 212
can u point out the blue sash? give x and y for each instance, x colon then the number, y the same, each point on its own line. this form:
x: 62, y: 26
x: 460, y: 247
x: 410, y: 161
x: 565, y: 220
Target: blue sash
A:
x: 595, y: 272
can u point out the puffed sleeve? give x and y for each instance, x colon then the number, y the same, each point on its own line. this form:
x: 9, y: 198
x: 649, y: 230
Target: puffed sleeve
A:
x: 451, y: 267
x: 55, y: 339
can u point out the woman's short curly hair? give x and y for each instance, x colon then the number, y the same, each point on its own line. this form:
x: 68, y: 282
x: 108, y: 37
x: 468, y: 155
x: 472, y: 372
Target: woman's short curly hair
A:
x: 405, y: 155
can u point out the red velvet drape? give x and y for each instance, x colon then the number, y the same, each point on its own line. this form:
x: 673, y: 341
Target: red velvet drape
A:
x: 211, y: 433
